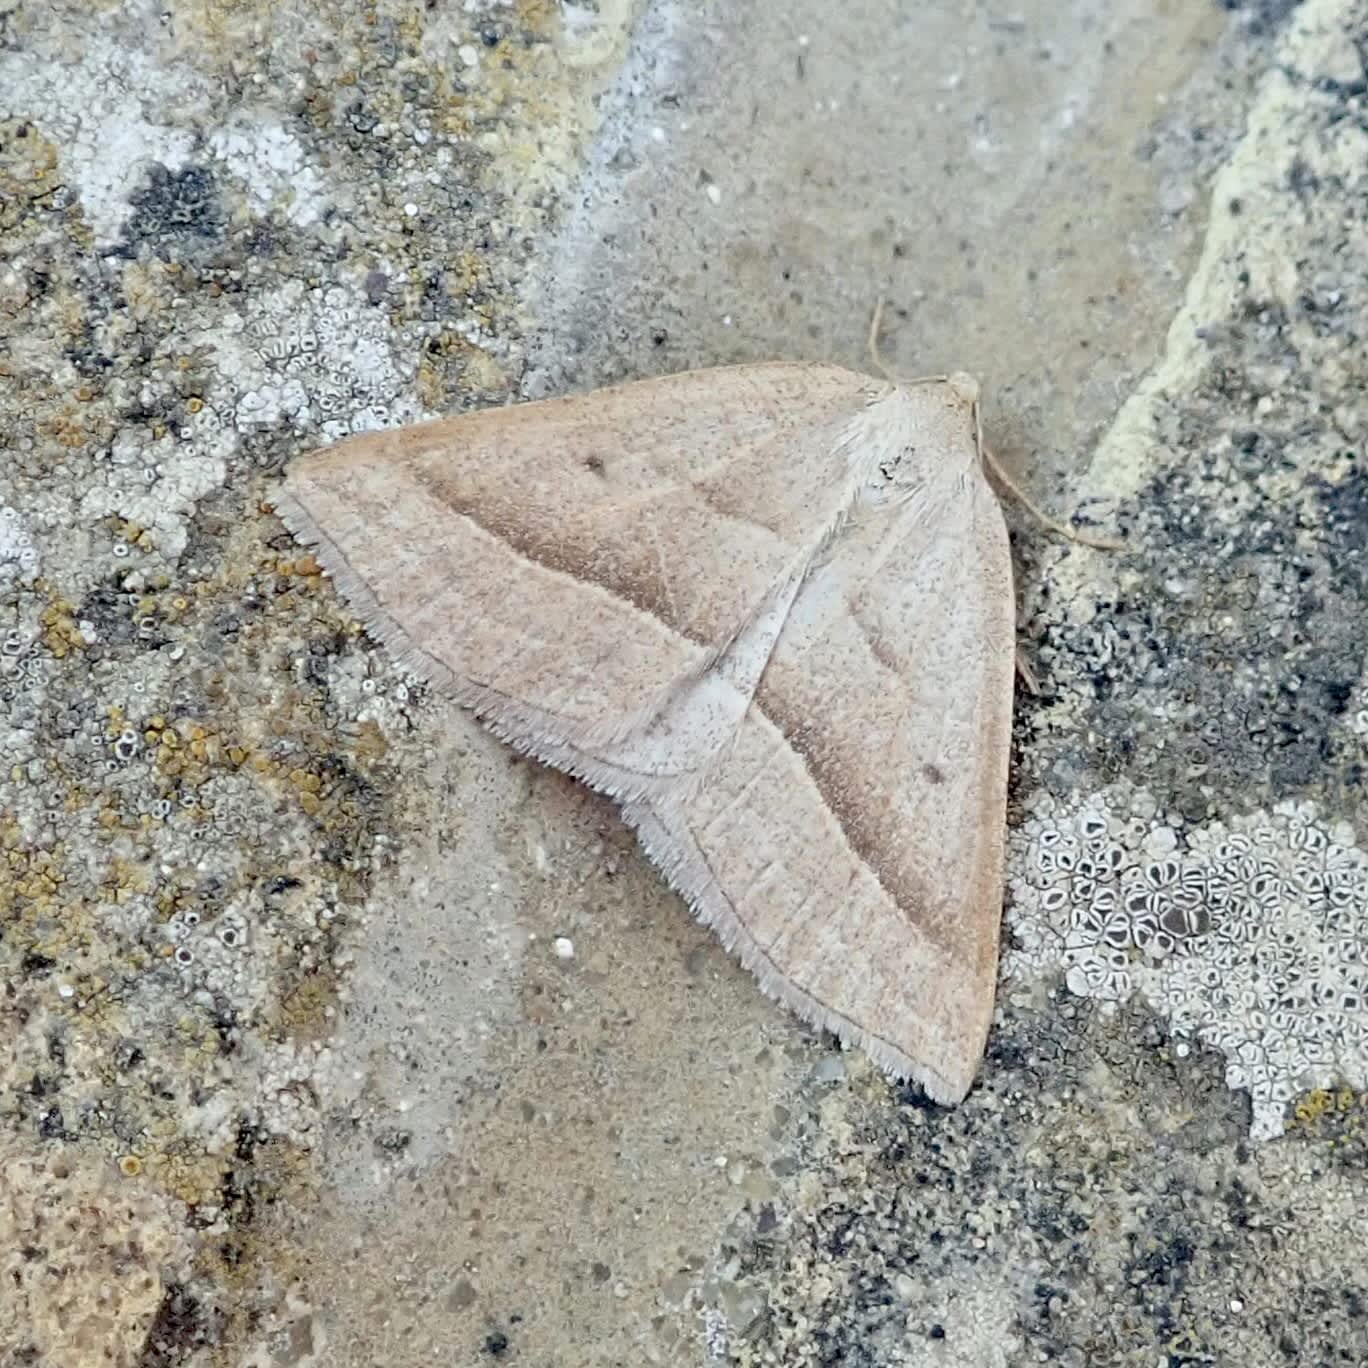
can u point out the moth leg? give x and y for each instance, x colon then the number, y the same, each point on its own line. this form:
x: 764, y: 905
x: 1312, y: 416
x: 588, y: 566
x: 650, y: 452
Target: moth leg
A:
x: 999, y: 473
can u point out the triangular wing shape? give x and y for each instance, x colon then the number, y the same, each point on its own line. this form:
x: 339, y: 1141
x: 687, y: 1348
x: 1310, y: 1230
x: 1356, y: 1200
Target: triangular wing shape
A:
x: 768, y: 607
x: 578, y: 569
x: 849, y: 846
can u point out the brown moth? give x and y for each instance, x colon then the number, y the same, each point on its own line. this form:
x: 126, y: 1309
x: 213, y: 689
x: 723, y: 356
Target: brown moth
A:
x: 767, y: 608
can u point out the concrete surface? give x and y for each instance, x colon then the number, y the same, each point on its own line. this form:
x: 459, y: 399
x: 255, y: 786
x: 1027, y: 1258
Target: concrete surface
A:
x: 298, y: 1074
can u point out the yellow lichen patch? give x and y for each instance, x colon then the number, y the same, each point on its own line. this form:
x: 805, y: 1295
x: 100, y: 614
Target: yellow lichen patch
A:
x: 480, y: 372
x: 99, y: 1010
x: 33, y: 874
x: 130, y: 1165
x: 283, y: 1177
x: 1335, y: 1114
x: 73, y: 428
x: 308, y: 1010
x: 1313, y: 1106
x: 305, y: 567
x: 305, y: 780
x: 28, y: 168
x: 126, y: 879
x: 369, y: 746
x: 187, y: 1172
x: 147, y: 289
x: 458, y: 367
x: 58, y: 630
x: 177, y: 895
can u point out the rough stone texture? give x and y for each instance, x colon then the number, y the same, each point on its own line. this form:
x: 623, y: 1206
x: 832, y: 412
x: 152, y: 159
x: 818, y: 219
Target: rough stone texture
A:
x: 89, y: 1258
x: 367, y: 1043
x: 204, y: 767
x: 1094, y: 1202
x: 1190, y: 799
x: 1223, y: 661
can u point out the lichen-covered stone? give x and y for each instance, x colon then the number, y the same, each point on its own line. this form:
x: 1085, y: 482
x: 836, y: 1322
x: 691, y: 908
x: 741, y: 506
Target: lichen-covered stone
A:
x: 86, y: 1257
x: 196, y: 779
x: 1202, y: 752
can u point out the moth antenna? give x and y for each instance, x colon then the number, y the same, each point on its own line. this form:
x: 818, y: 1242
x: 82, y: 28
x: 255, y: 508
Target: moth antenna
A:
x: 876, y: 356
x: 1050, y: 524
x: 985, y: 454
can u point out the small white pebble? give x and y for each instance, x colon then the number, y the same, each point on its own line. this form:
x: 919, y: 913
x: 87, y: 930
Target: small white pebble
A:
x: 714, y: 194
x: 65, y: 990
x: 1236, y: 1305
x: 658, y: 134
x: 1161, y: 841
x: 411, y: 209
x: 469, y: 54
x: 564, y: 947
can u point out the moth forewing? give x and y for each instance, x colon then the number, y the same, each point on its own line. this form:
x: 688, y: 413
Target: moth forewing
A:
x: 769, y: 608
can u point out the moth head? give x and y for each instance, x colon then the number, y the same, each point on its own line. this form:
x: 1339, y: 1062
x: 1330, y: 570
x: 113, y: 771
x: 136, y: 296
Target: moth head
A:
x: 964, y: 387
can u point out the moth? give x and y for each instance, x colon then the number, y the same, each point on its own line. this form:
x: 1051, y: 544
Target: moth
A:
x: 769, y: 610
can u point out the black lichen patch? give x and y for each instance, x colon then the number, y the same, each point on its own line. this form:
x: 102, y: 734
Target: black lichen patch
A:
x: 1262, y: 16
x: 1228, y: 664
x: 183, y: 1327
x: 178, y: 212
x: 1114, y: 1223
x: 1222, y: 656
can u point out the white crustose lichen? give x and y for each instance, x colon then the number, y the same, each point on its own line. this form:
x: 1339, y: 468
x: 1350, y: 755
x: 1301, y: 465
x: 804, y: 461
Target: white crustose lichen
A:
x: 1249, y: 935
